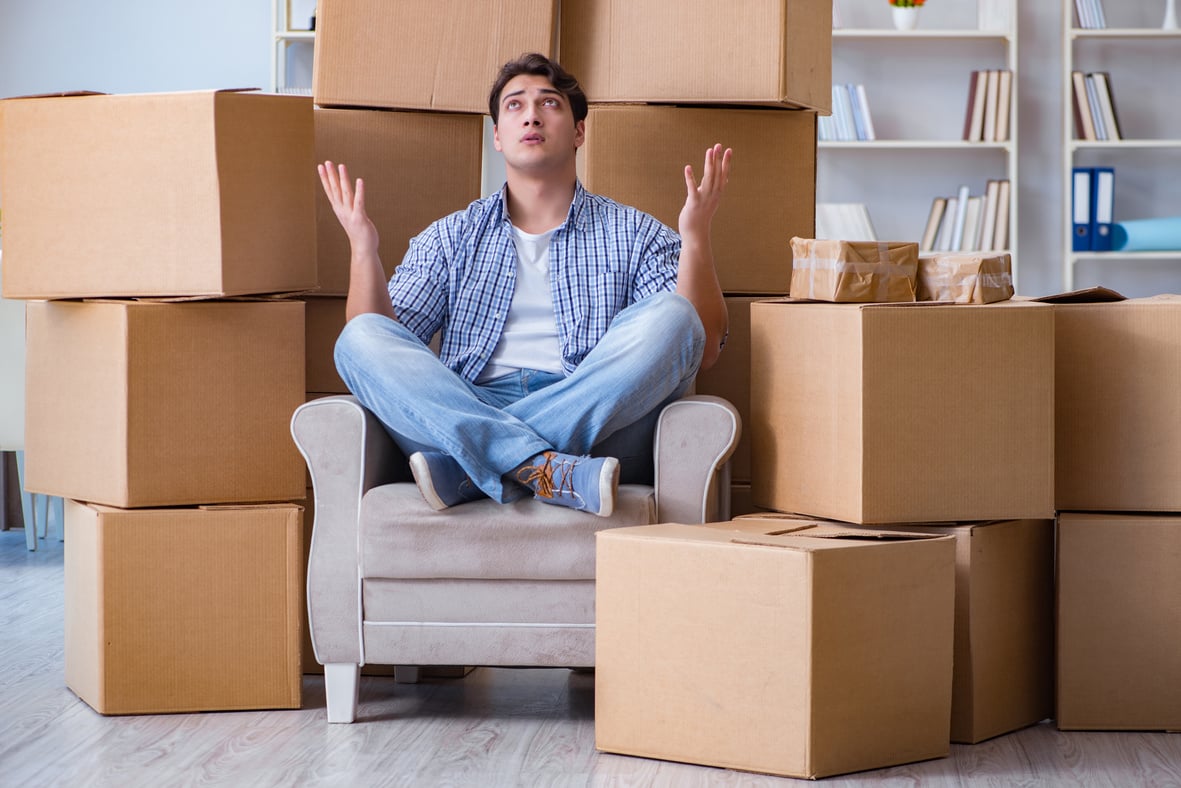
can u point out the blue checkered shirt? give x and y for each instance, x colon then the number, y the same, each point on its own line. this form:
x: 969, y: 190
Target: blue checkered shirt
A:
x: 459, y: 274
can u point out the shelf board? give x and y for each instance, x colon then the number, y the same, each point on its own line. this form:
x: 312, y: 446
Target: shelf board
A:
x: 1171, y: 255
x: 295, y: 35
x: 911, y: 145
x: 937, y: 34
x: 1077, y: 145
x: 1124, y: 32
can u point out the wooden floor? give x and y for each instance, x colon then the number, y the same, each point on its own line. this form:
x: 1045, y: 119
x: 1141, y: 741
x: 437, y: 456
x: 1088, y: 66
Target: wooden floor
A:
x: 492, y: 728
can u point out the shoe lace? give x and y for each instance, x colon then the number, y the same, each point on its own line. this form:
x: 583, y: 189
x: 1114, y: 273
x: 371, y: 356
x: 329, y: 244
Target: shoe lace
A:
x: 540, y: 477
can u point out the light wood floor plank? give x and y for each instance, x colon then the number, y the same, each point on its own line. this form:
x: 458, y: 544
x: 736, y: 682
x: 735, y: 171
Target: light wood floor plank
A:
x: 492, y: 728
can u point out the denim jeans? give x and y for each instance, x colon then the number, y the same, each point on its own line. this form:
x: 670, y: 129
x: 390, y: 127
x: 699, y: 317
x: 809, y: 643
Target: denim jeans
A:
x: 609, y: 404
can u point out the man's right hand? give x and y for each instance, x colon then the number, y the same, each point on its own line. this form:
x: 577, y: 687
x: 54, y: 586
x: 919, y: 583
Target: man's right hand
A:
x: 348, y: 203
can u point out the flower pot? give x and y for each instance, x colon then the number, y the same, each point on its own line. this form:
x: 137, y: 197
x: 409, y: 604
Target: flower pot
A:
x: 905, y: 17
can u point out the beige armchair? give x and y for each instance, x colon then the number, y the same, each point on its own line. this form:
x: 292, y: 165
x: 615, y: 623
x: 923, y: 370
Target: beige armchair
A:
x: 392, y: 582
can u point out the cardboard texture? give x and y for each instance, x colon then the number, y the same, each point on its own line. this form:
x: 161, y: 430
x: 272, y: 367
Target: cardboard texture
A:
x: 900, y: 413
x: 169, y: 194
x: 1119, y: 622
x: 1004, y: 624
x: 803, y: 649
x: 729, y: 378
x: 773, y: 200
x: 324, y: 319
x: 417, y: 167
x: 148, y: 404
x: 853, y: 271
x: 423, y: 54
x: 772, y: 52
x: 965, y: 277
x: 1117, y: 411
x: 183, y: 610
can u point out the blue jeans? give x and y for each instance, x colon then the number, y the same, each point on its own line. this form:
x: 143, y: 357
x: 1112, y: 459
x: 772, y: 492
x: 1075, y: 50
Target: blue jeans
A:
x: 610, y: 403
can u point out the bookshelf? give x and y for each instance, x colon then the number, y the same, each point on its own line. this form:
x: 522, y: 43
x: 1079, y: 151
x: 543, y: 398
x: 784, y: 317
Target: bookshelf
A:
x: 918, y: 112
x: 292, y: 46
x: 1131, y: 46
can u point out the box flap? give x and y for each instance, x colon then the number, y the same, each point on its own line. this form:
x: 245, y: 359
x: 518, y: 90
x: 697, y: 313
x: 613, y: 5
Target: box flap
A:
x: 1088, y: 295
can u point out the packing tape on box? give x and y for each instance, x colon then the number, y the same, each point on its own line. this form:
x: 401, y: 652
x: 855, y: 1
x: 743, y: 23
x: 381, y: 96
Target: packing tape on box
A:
x: 945, y: 285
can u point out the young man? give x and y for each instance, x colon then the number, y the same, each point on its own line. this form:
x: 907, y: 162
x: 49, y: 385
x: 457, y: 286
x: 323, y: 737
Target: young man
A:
x: 568, y: 320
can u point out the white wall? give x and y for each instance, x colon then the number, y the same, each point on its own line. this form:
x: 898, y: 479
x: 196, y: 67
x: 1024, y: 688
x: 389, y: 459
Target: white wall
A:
x: 159, y: 45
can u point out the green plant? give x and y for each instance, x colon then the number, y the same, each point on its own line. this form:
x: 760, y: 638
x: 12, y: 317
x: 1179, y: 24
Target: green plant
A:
x: 907, y: 3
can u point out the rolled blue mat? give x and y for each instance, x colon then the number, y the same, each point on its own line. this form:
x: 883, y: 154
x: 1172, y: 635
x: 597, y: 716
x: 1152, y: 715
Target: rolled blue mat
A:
x: 1147, y: 235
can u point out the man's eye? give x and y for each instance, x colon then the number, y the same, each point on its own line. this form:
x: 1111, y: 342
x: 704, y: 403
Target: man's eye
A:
x: 513, y: 104
x: 551, y: 102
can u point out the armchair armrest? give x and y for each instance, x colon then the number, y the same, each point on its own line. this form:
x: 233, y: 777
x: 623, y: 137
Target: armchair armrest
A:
x: 694, y: 440
x: 348, y: 452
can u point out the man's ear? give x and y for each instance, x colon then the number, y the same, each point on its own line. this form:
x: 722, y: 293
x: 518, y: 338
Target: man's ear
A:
x: 496, y: 137
x: 579, y: 133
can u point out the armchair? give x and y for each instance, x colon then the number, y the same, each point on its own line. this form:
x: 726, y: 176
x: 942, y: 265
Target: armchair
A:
x: 391, y: 581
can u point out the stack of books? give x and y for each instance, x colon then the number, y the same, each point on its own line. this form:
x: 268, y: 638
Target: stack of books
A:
x: 844, y: 221
x: 989, y: 100
x: 969, y: 223
x: 1095, y: 117
x: 850, y: 119
x: 1090, y: 14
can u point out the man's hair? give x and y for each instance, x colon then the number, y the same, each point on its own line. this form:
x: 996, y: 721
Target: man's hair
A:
x: 540, y: 66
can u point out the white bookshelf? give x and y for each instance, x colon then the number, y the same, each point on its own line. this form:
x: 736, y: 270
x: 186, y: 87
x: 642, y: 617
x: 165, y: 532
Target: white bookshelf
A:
x: 292, y: 46
x: 1149, y: 154
x: 919, y: 152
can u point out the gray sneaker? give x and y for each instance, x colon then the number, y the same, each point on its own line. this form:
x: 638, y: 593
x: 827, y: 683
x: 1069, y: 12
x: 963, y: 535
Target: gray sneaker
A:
x: 588, y: 484
x: 441, y: 480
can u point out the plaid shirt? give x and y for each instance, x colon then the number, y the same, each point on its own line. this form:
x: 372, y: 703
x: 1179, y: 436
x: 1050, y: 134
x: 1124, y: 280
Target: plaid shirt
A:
x: 459, y: 274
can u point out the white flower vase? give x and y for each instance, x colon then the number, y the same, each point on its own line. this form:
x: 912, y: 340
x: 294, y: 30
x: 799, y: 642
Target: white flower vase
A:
x: 1170, y: 22
x: 907, y: 17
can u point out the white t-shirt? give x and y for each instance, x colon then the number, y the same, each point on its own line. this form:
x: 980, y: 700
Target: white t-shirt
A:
x: 530, y: 336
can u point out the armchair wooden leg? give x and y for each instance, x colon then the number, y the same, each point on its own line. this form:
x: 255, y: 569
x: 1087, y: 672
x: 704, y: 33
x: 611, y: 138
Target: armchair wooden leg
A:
x: 341, y: 683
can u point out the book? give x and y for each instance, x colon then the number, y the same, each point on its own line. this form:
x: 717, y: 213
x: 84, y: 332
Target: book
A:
x: 1001, y: 239
x: 858, y: 118
x: 1106, y: 104
x: 1004, y: 101
x: 1084, y: 124
x: 974, y: 118
x: 934, y: 218
x: 1093, y: 105
x: 844, y: 222
x: 837, y: 20
x: 1102, y: 204
x: 992, y: 86
x: 957, y: 230
x: 863, y: 103
x: 1097, y: 14
x: 988, y: 226
x: 1082, y: 14
x: 843, y: 109
x: 971, y: 237
x: 947, y: 225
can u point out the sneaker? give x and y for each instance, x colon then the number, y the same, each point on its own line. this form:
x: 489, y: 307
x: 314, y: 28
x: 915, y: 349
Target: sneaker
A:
x: 588, y: 484
x: 441, y: 480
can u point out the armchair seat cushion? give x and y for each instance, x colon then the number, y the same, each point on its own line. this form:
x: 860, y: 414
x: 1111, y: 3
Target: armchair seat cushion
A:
x: 401, y: 537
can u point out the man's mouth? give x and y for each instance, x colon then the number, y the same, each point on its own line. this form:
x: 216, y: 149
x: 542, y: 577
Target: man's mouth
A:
x: 533, y: 138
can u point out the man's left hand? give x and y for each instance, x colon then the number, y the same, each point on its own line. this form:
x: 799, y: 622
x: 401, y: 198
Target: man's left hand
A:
x: 701, y: 199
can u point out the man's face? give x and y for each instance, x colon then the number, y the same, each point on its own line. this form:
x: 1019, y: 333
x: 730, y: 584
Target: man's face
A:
x: 536, y: 129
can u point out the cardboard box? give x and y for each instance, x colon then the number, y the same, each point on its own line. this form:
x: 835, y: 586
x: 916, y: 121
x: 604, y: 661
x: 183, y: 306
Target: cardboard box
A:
x: 903, y: 413
x: 637, y: 156
x: 756, y: 646
x: 1119, y: 622
x: 1004, y: 624
x: 423, y: 54
x: 324, y: 319
x: 729, y: 378
x: 965, y: 277
x: 417, y: 167
x: 164, y: 404
x: 1118, y: 413
x: 183, y: 610
x: 168, y: 194
x: 772, y: 52
x: 853, y: 271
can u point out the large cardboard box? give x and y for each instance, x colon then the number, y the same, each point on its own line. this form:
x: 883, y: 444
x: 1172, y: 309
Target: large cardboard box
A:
x: 773, y: 52
x: 324, y: 319
x: 206, y: 193
x: 903, y: 413
x: 637, y: 156
x: 1004, y: 624
x: 423, y: 54
x: 1118, y: 412
x: 164, y: 404
x: 729, y: 378
x: 183, y: 610
x: 804, y: 650
x: 1119, y: 622
x: 417, y: 167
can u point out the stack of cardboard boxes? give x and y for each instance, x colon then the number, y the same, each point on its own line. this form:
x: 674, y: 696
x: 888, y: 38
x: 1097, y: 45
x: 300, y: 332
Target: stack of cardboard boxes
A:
x: 141, y: 228
x: 1118, y: 492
